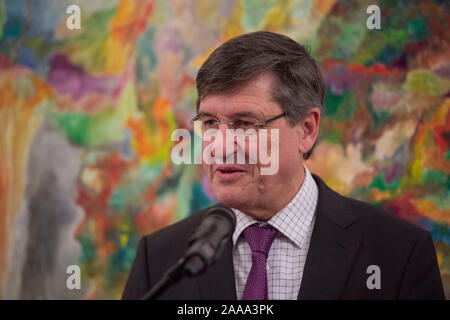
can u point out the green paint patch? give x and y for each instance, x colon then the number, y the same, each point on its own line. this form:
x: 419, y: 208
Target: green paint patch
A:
x: 105, y: 126
x: 329, y: 131
x: 425, y: 82
x: 369, y: 48
x: 386, y: 46
x: 92, y: 40
x: 125, y: 225
x: 348, y: 41
x: 122, y: 259
x: 127, y: 196
x: 396, y: 37
x: 378, y: 182
x: 379, y: 117
x: 119, y: 264
x: 340, y: 107
x: 90, y: 130
x: 301, y: 10
x: 435, y: 177
x: 334, y: 137
x: 75, y: 125
x: 255, y: 12
x: 441, y: 200
x: 89, y: 250
x: 199, y: 200
x: 417, y: 29
x: 3, y: 17
x: 388, y: 54
x: 147, y: 59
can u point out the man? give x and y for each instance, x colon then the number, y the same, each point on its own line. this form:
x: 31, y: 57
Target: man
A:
x: 295, y: 238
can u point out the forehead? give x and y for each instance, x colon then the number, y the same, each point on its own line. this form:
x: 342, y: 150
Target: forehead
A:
x: 255, y: 97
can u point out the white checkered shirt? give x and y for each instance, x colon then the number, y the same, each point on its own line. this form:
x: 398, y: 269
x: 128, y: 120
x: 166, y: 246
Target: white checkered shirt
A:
x: 287, y: 254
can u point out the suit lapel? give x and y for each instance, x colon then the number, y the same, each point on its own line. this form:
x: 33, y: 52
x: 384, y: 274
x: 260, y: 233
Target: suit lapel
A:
x: 332, y: 249
x: 217, y: 283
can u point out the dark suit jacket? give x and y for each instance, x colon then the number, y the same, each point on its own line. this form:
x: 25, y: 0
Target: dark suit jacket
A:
x: 348, y: 236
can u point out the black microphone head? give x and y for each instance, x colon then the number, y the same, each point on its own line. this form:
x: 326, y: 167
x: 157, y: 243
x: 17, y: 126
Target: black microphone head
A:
x: 210, y: 238
x: 220, y: 209
x: 216, y: 214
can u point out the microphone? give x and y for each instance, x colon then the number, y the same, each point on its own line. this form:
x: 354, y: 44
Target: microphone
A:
x: 204, y: 248
x: 209, y: 239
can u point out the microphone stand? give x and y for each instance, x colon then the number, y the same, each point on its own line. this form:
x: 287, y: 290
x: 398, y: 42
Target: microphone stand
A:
x: 190, y: 265
x: 205, y: 246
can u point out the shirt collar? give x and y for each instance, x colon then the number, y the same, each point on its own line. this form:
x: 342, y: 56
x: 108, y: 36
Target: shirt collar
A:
x: 294, y: 219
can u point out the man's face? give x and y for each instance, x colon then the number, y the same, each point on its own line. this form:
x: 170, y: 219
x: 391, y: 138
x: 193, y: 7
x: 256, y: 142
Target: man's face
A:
x: 242, y: 186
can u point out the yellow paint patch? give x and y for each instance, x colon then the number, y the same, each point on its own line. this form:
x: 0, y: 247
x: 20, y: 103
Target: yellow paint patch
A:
x: 379, y: 196
x: 429, y: 210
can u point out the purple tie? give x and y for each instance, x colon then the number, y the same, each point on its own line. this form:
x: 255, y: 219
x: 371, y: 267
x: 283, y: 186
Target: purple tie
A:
x: 259, y: 239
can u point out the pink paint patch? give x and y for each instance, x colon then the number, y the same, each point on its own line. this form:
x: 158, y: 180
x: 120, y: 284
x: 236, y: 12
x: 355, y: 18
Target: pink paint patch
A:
x: 385, y: 100
x: 5, y: 62
x: 68, y: 79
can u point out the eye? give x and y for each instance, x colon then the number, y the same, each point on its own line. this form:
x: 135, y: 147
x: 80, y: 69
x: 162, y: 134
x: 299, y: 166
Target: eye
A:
x: 209, y: 122
x: 243, y: 123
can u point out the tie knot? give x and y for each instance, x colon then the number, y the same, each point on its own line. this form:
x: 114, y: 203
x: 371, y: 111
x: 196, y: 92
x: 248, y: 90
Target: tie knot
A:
x: 260, y: 238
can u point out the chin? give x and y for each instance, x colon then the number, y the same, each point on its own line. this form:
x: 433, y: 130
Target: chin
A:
x: 231, y: 198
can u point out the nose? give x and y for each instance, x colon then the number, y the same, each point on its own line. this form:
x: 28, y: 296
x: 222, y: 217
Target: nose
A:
x: 228, y: 143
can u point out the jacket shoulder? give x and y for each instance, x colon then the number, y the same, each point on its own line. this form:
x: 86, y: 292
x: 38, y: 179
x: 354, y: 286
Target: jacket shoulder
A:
x: 375, y: 219
x: 368, y: 218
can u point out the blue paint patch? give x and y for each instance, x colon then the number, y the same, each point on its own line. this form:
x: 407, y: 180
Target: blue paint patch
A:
x: 439, y: 230
x: 200, y: 200
x: 16, y: 19
x: 126, y: 152
x: 27, y: 58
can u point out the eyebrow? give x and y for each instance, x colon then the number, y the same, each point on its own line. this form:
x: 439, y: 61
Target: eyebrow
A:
x: 244, y: 114
x: 202, y: 113
x: 233, y: 115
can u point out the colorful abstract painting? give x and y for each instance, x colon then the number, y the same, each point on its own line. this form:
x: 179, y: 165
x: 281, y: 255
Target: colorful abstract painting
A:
x: 86, y: 117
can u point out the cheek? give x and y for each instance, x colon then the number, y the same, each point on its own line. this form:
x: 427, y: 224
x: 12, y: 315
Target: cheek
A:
x: 288, y: 149
x: 286, y: 140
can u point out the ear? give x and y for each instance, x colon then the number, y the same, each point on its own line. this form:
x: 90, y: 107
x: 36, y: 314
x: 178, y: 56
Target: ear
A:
x: 308, y: 130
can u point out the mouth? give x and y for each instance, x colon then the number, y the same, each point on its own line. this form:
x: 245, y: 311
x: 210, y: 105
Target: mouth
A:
x: 229, y: 173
